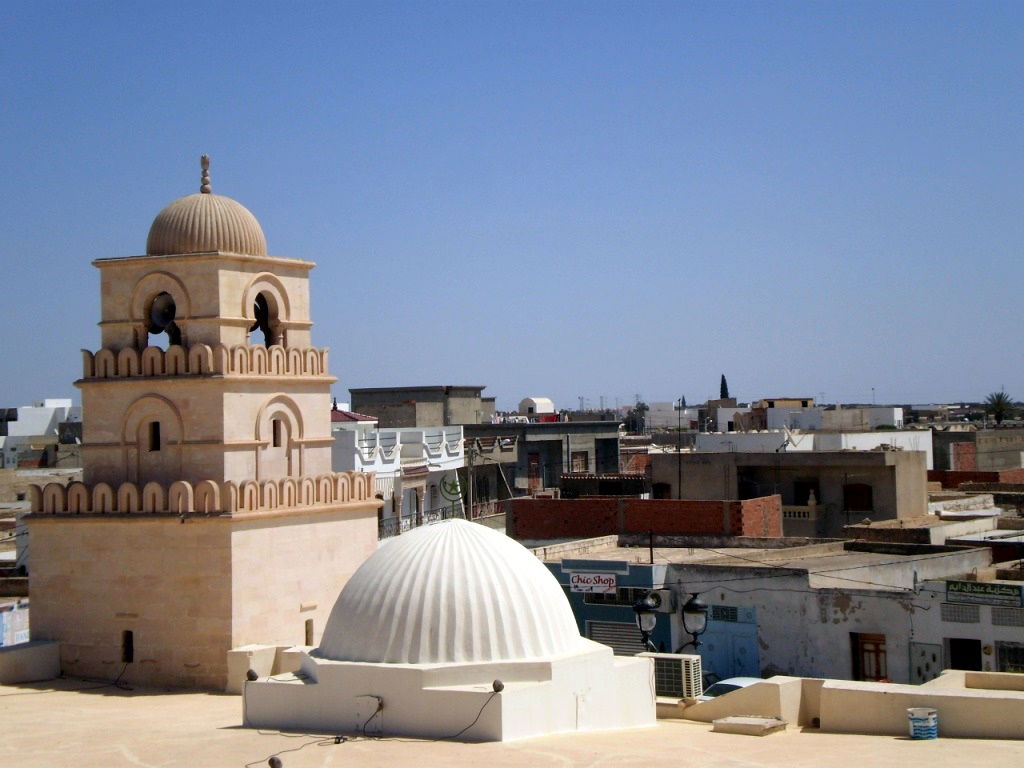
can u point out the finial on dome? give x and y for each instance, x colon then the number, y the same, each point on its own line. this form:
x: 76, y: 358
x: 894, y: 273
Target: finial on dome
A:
x: 205, y: 188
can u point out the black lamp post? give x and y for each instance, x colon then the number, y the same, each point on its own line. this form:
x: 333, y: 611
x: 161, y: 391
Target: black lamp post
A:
x: 695, y: 619
x: 646, y: 618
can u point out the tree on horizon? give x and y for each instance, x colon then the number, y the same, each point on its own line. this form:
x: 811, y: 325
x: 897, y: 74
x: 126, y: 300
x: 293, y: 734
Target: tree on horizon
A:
x: 723, y: 388
x: 1000, y: 406
x: 636, y: 419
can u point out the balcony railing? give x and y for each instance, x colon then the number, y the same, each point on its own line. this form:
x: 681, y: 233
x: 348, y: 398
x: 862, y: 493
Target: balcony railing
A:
x: 395, y: 526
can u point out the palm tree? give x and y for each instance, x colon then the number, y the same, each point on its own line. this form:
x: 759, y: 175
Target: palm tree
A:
x: 1000, y: 406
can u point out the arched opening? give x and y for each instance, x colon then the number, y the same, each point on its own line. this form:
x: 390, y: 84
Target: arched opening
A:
x: 277, y: 457
x: 266, y: 329
x: 161, y: 314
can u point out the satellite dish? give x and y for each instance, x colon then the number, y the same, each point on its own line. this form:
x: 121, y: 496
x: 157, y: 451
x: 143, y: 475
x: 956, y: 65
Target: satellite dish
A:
x: 161, y: 312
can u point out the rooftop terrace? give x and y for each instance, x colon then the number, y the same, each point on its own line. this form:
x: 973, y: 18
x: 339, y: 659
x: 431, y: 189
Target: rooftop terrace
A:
x: 74, y: 723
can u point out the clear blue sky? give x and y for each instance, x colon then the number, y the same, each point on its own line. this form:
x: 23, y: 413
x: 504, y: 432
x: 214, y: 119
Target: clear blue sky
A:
x: 557, y: 199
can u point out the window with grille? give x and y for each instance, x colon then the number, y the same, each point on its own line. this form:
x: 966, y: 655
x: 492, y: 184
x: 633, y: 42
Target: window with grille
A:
x: 1007, y: 617
x: 622, y: 596
x: 961, y: 614
x: 724, y: 613
x: 579, y: 461
x: 1010, y: 657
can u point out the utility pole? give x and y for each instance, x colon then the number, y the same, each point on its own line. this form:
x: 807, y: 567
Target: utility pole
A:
x: 469, y: 473
x: 679, y: 454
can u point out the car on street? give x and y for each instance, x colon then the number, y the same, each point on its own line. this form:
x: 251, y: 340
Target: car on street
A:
x: 727, y: 685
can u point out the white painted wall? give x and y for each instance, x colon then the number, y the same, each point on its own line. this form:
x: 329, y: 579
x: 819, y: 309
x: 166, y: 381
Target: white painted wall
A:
x: 588, y: 690
x: 929, y: 626
x: 907, y: 440
x: 725, y: 415
x: 664, y: 415
x: 535, y: 405
x: 42, y: 417
x: 863, y: 418
x: 757, y: 442
x: 770, y: 441
x: 387, y: 451
x: 794, y: 418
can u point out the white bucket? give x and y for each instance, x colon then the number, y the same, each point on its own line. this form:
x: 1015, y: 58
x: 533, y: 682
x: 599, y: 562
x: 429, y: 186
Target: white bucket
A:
x: 923, y: 723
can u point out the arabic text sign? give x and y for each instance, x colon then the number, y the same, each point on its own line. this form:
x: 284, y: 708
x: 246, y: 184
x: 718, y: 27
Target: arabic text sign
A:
x: 603, y: 583
x: 984, y: 593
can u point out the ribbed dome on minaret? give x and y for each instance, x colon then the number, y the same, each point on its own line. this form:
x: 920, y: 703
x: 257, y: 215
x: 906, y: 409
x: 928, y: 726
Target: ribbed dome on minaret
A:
x: 205, y: 222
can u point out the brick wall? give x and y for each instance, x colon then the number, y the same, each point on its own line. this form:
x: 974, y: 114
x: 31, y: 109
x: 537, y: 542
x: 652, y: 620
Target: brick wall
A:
x: 757, y: 517
x: 963, y: 457
x: 603, y: 516
x: 636, y: 462
x: 953, y: 479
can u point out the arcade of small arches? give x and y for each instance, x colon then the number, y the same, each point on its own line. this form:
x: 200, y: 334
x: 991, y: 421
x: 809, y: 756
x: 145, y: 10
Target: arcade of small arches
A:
x: 239, y: 360
x: 206, y: 497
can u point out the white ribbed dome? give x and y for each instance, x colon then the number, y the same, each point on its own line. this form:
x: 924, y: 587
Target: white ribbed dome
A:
x: 451, y: 592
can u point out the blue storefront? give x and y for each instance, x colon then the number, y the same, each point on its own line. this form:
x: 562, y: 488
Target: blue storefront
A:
x: 602, y: 593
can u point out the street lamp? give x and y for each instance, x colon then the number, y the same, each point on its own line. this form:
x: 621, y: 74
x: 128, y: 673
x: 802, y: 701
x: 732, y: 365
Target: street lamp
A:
x: 646, y: 618
x: 695, y: 619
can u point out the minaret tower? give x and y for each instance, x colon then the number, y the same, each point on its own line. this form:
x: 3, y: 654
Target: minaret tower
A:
x: 208, y: 516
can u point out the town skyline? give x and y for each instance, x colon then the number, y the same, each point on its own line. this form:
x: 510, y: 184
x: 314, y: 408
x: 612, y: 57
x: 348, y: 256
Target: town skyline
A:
x: 547, y: 200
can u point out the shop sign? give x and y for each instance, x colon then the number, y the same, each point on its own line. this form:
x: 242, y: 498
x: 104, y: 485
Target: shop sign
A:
x: 984, y: 593
x: 601, y: 583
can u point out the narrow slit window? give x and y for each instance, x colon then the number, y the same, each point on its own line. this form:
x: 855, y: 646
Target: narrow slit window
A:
x: 127, y: 646
x: 154, y: 435
x: 309, y: 631
x: 276, y: 432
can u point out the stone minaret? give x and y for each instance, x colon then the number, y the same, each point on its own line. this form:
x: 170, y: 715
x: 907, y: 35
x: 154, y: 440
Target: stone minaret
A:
x: 209, y: 516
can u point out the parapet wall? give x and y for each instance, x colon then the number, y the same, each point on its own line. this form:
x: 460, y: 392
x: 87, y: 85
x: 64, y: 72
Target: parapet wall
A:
x: 240, y: 360
x: 954, y: 478
x: 207, y: 497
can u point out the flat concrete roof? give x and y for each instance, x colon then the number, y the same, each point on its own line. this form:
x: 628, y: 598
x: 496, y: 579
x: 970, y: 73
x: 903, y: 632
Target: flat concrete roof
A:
x: 53, y: 725
x: 826, y: 555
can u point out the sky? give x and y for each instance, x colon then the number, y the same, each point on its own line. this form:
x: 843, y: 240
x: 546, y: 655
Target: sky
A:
x: 562, y: 199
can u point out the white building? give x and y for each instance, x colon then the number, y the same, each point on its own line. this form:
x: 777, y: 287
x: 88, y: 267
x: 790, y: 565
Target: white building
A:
x: 794, y: 418
x: 863, y: 418
x: 783, y: 440
x: 668, y: 416
x: 454, y: 631
x: 416, y: 468
x: 41, y: 419
x: 728, y: 419
x: 533, y: 406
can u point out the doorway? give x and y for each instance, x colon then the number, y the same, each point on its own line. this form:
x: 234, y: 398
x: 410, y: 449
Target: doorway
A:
x: 869, y: 656
x: 963, y: 653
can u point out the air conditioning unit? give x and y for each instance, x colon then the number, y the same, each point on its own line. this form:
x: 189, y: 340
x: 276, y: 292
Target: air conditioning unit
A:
x: 677, y: 675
